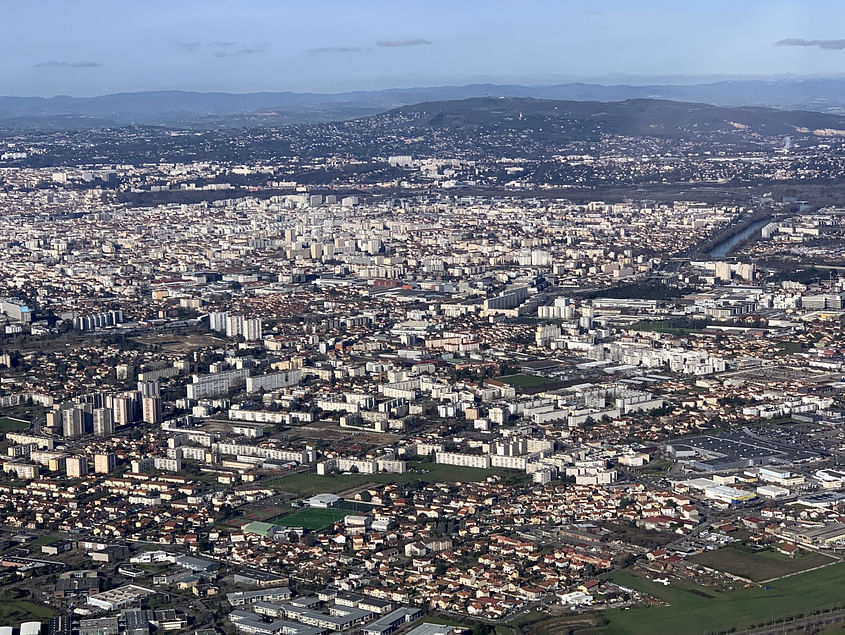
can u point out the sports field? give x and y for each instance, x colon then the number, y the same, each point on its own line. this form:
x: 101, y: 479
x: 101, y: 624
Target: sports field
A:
x: 696, y: 609
x: 309, y: 483
x: 760, y: 565
x: 311, y: 518
x: 10, y: 424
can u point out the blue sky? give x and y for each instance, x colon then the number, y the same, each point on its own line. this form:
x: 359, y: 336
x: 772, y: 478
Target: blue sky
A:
x: 86, y: 47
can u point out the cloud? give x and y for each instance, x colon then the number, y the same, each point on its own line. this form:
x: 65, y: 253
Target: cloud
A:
x: 335, y: 49
x: 411, y: 41
x: 223, y: 49
x: 832, y: 45
x: 58, y: 64
x: 227, y: 50
x: 188, y: 46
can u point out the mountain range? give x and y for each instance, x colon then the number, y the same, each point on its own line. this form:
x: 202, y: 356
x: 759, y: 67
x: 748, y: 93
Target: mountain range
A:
x: 217, y: 109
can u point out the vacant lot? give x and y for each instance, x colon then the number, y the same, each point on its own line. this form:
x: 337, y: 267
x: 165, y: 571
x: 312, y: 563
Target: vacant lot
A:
x: 314, y: 519
x: 182, y: 343
x: 760, y: 565
x: 10, y: 424
x: 565, y: 625
x: 713, y: 611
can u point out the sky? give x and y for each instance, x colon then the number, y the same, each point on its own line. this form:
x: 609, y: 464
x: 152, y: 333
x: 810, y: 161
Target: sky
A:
x: 95, y: 47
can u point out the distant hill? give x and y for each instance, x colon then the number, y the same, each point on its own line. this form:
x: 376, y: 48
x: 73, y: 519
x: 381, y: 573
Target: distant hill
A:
x: 475, y: 128
x: 215, y: 109
x: 588, y: 120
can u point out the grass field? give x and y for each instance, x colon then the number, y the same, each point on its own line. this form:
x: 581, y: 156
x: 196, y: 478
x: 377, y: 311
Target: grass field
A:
x: 696, y: 609
x: 12, y: 611
x: 355, y: 507
x: 788, y: 348
x: 654, y: 467
x: 46, y: 539
x: 309, y: 483
x: 10, y: 424
x: 760, y: 565
x: 524, y: 381
x: 311, y: 518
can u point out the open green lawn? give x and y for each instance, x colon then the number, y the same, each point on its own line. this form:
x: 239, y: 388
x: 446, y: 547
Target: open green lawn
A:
x: 760, y: 565
x: 13, y: 611
x: 46, y: 539
x: 696, y: 609
x: 311, y: 518
x: 524, y: 381
x: 309, y: 483
x: 10, y: 424
x: 437, y: 473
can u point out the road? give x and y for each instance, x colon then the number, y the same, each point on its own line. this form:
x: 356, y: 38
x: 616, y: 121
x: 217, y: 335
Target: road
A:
x: 807, y: 624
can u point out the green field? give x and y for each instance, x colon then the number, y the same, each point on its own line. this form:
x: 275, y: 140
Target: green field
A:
x: 788, y: 348
x: 355, y: 507
x: 10, y: 424
x: 709, y: 610
x: 312, y: 518
x: 524, y: 381
x: 671, y: 326
x: 309, y: 483
x: 760, y: 565
x: 662, y: 327
x: 46, y: 539
x: 23, y: 610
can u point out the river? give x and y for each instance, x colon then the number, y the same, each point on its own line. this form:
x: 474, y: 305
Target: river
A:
x: 724, y: 248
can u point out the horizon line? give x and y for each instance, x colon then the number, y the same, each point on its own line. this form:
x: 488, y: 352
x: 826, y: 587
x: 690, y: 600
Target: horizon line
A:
x: 607, y: 81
